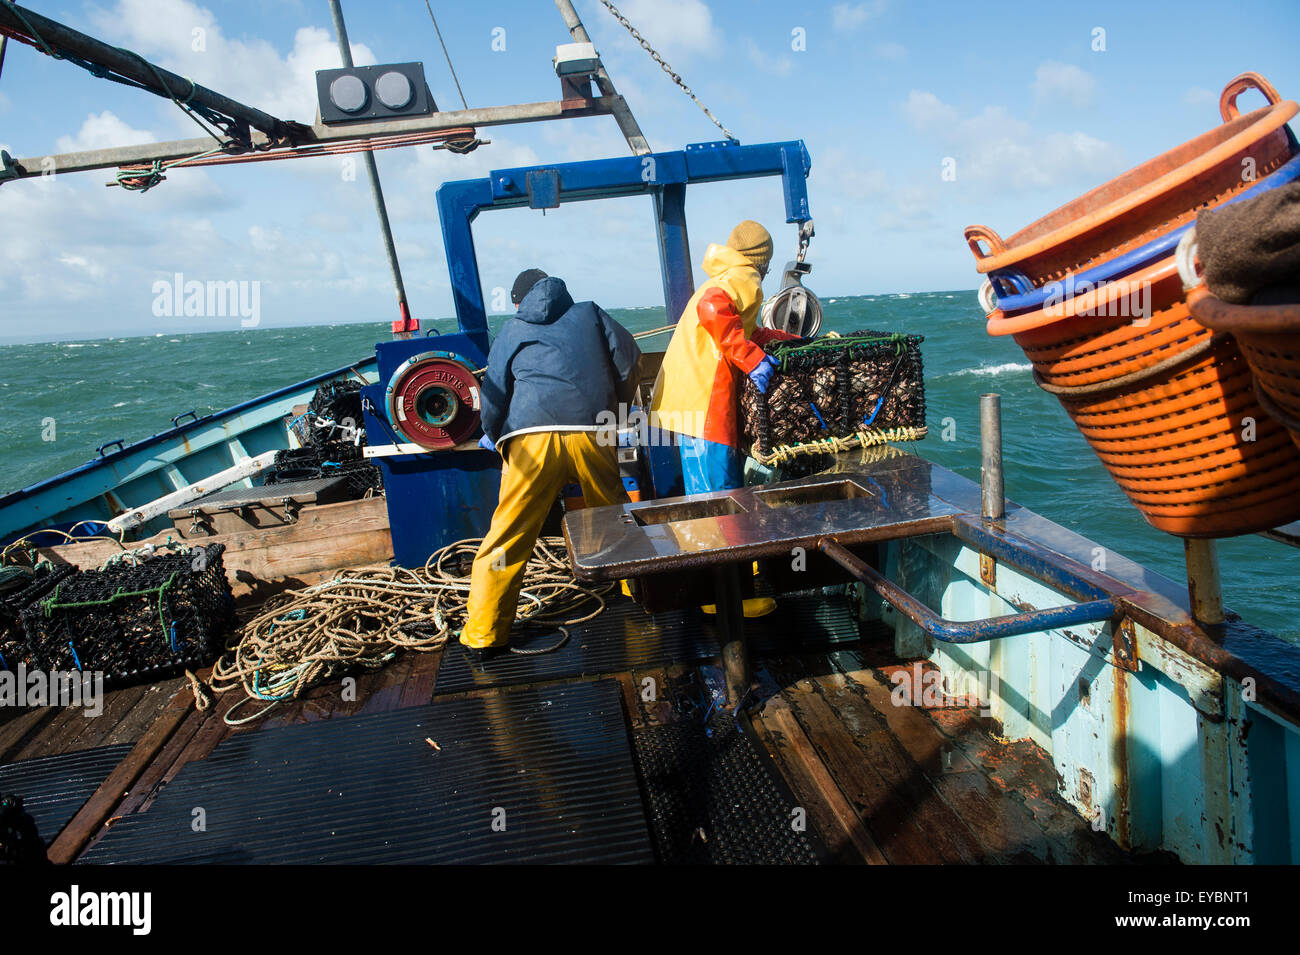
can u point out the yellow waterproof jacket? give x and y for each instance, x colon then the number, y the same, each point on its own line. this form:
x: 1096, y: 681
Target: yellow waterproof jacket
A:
x: 698, y: 388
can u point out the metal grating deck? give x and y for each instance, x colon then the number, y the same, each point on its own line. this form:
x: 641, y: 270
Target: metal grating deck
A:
x: 53, y: 788
x: 553, y: 764
x: 624, y: 637
x: 714, y: 800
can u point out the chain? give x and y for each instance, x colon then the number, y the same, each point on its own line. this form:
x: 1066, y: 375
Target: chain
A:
x: 645, y: 45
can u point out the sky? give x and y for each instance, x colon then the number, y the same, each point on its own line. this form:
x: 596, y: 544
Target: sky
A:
x: 1023, y: 106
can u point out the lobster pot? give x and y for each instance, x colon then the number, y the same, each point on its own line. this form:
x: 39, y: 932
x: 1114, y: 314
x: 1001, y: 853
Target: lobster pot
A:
x: 333, y: 459
x: 15, y: 597
x: 835, y: 393
x: 1154, y: 198
x: 1269, y: 339
x: 338, y: 401
x: 134, y: 623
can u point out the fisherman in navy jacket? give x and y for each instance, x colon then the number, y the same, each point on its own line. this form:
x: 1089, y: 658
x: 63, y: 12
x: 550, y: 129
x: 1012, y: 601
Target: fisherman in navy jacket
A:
x: 556, y: 373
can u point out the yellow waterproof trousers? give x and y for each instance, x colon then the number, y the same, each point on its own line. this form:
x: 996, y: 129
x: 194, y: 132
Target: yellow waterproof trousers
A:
x: 536, y: 466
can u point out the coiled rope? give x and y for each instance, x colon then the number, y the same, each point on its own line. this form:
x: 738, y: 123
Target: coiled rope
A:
x: 362, y: 618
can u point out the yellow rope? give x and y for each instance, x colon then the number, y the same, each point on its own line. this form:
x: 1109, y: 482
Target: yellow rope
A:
x: 865, y: 438
x: 363, y: 617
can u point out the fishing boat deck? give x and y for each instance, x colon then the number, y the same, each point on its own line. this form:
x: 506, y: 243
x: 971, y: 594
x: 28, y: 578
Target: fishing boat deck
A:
x: 880, y: 784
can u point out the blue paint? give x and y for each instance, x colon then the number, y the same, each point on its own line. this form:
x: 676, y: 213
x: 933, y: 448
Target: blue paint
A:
x: 438, y: 498
x: 664, y: 176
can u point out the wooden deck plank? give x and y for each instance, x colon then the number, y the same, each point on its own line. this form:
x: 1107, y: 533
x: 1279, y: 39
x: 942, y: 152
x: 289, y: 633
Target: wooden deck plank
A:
x: 117, y: 705
x: 840, y: 827
x: 890, y: 820
x: 934, y: 752
x: 21, y: 728
x: 945, y: 829
x: 90, y: 819
x: 145, y: 711
x: 418, y: 690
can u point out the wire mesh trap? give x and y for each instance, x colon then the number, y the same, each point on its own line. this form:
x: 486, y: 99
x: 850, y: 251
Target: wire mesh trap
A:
x: 134, y: 622
x: 834, y: 393
x: 331, y: 459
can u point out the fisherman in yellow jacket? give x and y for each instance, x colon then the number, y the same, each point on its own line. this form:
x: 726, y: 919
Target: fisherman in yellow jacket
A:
x: 697, y: 393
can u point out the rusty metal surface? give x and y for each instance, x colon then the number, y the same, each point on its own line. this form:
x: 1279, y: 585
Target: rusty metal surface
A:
x: 881, y: 500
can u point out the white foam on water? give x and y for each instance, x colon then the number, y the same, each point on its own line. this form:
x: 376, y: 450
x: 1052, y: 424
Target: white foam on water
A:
x: 995, y: 369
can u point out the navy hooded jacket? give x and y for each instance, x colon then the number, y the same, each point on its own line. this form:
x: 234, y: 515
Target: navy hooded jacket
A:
x: 556, y: 366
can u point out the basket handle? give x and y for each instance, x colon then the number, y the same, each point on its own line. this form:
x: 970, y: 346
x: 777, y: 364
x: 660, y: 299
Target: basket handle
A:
x: 1238, y: 85
x: 975, y: 234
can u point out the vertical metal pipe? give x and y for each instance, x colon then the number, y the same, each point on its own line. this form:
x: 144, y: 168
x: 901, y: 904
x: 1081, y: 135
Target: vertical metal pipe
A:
x: 731, y: 632
x: 991, y: 483
x: 1204, y: 588
x: 405, y: 325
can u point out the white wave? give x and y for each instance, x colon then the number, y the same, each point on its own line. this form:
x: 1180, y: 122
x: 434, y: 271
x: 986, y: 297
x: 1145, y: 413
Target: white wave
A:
x: 119, y: 404
x: 995, y: 369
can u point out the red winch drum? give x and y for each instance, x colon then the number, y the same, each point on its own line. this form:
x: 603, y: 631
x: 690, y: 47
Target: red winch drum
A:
x: 433, y: 400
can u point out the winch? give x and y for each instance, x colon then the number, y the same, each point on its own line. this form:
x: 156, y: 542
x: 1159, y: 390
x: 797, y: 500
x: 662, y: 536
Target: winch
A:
x: 433, y: 400
x: 793, y: 308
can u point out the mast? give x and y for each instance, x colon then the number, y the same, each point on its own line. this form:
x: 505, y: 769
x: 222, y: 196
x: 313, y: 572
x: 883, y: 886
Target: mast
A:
x: 619, y: 108
x: 405, y: 325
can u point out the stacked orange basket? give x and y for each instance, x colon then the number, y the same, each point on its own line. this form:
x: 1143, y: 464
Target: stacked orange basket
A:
x: 1092, y: 294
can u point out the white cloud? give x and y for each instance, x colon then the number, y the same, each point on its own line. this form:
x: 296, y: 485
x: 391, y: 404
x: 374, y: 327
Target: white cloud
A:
x: 1001, y: 152
x: 678, y: 29
x: 926, y: 112
x: 101, y: 131
x: 850, y: 16
x: 186, y: 39
x: 776, y: 65
x: 1063, y: 83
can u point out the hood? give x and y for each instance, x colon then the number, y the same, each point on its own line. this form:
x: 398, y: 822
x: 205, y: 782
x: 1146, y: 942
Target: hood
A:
x: 545, y: 302
x: 720, y: 258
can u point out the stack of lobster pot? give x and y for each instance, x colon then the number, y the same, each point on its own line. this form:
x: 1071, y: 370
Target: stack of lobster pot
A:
x: 1092, y: 294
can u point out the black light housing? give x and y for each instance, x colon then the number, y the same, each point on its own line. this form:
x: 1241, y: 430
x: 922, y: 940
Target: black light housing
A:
x: 386, y: 91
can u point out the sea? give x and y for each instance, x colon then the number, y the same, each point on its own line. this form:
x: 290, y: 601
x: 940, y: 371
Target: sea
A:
x: 98, y: 391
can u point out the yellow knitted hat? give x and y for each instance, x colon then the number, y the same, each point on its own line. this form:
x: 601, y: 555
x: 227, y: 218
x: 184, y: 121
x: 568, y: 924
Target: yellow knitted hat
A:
x: 753, y: 242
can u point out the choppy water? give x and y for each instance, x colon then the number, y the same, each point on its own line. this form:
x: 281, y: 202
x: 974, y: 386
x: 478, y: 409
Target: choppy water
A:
x: 129, y: 388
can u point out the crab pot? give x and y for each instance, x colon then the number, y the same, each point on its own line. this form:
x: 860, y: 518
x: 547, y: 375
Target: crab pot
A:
x: 135, y: 623
x: 13, y: 649
x: 333, y: 459
x: 338, y: 401
x: 837, y: 388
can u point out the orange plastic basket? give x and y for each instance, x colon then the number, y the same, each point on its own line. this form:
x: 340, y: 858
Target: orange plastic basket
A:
x: 1151, y: 199
x: 1269, y: 338
x: 1190, y: 445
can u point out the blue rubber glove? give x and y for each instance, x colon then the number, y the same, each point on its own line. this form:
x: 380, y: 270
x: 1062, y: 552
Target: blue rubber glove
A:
x: 486, y: 443
x: 761, y: 376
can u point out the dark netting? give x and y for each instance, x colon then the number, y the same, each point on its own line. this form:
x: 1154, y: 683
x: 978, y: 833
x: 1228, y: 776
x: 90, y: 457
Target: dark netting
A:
x: 334, y: 413
x: 335, y: 459
x: 20, y: 842
x: 19, y: 587
x: 836, y: 388
x: 134, y: 622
